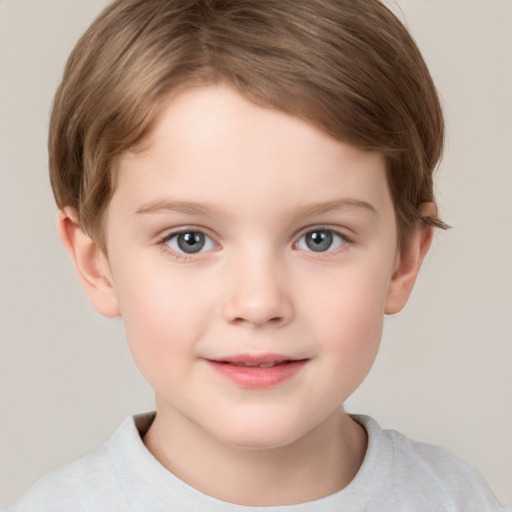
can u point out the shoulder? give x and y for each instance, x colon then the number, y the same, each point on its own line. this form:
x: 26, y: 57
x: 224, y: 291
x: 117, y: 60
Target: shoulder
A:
x: 419, y: 473
x: 90, y: 483
x: 76, y: 486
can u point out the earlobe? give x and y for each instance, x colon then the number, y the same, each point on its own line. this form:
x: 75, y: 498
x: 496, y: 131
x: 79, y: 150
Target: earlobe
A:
x: 409, y: 262
x: 90, y: 263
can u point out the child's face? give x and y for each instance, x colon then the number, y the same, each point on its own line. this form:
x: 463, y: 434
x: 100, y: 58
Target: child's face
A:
x: 243, y: 235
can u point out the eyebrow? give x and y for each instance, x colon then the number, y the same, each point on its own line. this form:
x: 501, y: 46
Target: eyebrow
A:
x: 193, y: 208
x: 167, y: 205
x: 339, y: 204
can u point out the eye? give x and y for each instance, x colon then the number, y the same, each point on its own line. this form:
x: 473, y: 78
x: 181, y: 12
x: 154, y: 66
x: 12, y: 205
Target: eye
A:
x: 321, y: 240
x: 189, y: 242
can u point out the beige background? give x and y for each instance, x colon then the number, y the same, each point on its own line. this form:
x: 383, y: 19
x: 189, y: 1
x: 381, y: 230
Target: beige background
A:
x: 445, y: 370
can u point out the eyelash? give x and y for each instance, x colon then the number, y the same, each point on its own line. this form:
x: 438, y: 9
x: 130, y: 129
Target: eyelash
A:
x: 184, y: 257
x: 344, y: 241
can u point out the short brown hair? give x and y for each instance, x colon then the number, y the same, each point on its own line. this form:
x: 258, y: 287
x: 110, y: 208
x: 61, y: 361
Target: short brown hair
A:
x: 347, y: 66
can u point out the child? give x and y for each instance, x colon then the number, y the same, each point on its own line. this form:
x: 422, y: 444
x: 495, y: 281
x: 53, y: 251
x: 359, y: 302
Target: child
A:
x: 249, y: 186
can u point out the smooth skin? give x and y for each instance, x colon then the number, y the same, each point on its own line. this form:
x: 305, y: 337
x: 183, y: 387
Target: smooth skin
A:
x: 242, y: 230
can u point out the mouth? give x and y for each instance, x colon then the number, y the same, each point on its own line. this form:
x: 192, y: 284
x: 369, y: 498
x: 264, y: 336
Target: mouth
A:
x: 257, y: 371
x: 260, y: 365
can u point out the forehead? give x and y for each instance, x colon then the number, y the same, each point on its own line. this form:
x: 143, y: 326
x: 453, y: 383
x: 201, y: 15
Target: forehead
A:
x: 211, y: 145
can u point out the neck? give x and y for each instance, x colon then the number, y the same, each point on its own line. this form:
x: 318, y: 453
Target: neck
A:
x: 320, y: 463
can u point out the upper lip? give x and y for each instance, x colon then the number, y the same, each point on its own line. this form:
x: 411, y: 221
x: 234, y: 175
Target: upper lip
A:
x: 256, y: 359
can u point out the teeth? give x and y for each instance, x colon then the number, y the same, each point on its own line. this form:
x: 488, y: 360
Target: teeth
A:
x: 262, y: 365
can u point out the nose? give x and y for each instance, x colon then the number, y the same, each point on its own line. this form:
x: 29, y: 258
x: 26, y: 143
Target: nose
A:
x: 258, y: 294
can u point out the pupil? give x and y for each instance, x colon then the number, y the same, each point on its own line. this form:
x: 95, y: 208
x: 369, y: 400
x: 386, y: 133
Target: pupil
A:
x: 319, y: 241
x: 191, y: 242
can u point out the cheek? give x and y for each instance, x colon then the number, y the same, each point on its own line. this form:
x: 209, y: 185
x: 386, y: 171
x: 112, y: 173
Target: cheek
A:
x: 347, y: 313
x: 353, y: 330
x: 164, y: 314
x: 353, y: 296
x: 351, y: 341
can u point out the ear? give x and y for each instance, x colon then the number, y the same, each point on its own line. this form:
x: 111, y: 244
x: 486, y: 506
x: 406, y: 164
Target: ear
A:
x: 90, y: 263
x: 409, y: 262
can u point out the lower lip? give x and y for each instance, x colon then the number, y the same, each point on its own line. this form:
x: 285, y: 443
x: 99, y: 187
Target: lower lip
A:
x: 256, y: 377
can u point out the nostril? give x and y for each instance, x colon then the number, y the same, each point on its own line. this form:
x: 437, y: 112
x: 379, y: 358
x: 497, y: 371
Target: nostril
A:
x: 256, y: 320
x: 258, y: 306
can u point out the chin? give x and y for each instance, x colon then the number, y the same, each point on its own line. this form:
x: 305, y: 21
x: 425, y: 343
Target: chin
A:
x: 260, y: 443
x: 260, y: 435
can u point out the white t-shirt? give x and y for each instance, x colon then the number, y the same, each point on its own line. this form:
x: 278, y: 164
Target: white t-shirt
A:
x: 397, y: 475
